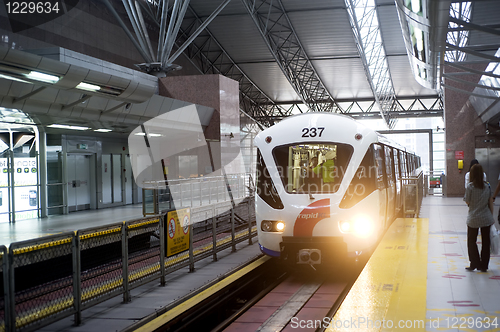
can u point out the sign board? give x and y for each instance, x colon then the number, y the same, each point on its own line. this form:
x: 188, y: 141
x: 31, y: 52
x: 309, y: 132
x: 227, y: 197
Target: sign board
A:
x: 459, y: 155
x: 177, y: 230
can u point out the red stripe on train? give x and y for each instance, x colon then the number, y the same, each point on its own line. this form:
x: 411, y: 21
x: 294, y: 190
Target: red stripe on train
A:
x: 310, y: 216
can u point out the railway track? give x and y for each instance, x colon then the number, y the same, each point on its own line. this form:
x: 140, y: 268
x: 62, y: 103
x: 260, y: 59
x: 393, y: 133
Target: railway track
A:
x: 265, y: 297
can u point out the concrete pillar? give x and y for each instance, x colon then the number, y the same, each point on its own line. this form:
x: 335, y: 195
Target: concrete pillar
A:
x: 465, y: 131
x: 223, y: 132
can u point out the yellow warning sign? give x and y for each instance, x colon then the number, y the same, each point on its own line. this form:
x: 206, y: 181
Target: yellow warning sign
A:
x: 178, y: 231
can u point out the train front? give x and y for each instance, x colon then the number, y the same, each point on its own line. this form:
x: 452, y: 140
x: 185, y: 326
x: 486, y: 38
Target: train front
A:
x: 316, y: 199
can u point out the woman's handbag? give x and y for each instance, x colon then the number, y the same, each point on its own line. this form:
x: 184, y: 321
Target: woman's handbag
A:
x: 495, y: 240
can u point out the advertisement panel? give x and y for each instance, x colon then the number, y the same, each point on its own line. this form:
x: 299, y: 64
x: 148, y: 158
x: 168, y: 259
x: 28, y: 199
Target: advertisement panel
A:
x: 177, y: 228
x: 25, y: 182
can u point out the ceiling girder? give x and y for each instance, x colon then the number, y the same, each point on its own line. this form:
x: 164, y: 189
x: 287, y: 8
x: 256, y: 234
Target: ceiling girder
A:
x: 278, y: 34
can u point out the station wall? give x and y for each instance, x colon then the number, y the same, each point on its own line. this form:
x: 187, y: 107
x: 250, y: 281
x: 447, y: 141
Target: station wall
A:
x: 466, y: 132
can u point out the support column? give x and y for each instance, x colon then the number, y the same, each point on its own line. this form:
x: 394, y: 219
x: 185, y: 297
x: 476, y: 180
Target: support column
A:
x: 64, y: 168
x: 42, y: 171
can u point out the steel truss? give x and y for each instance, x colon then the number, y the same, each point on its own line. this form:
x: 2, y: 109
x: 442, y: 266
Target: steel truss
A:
x: 425, y: 106
x: 274, y: 25
x: 364, y: 24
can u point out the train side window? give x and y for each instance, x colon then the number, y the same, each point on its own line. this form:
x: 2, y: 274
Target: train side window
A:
x: 265, y: 186
x: 389, y: 165
x: 363, y: 183
x: 404, y: 173
x: 397, y: 164
x: 378, y: 153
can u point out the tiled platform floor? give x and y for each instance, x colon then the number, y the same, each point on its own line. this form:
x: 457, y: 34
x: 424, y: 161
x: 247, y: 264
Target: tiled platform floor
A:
x: 457, y: 299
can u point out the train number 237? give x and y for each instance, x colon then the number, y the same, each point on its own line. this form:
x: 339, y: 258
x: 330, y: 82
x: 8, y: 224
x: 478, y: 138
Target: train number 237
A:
x: 312, y: 132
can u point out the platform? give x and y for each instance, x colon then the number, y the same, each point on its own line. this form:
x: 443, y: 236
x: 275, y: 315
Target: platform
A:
x: 416, y: 278
x: 33, y: 228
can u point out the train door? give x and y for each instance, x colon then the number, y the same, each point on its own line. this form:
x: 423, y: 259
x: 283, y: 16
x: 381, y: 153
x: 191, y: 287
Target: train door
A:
x: 391, y: 185
x: 397, y: 172
x: 381, y: 183
x: 78, y: 168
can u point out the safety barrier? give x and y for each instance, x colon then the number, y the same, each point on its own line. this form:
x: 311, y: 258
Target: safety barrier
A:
x: 413, y: 192
x: 192, y: 192
x: 49, y: 278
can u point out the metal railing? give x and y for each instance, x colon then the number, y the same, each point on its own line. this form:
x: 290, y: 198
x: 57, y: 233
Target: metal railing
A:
x: 193, y: 192
x: 413, y: 192
x: 49, y: 278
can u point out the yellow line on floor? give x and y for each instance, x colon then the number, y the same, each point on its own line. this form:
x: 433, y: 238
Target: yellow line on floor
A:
x: 188, y: 304
x: 390, y: 293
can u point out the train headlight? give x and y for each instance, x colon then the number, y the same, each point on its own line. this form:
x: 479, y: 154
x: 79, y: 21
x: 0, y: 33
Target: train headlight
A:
x: 272, y: 225
x: 363, y: 226
x: 266, y: 225
x: 345, y: 226
x: 280, y: 226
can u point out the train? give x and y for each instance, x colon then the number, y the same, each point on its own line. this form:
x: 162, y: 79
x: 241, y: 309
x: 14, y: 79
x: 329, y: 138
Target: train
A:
x: 327, y: 187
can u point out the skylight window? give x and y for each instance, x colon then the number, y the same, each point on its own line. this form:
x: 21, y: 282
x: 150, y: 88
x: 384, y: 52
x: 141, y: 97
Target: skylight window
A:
x: 457, y: 36
x: 364, y: 23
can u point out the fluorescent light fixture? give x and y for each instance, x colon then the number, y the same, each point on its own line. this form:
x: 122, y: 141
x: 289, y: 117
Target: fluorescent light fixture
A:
x: 60, y: 126
x: 13, y: 78
x: 103, y: 130
x: 42, y: 77
x: 150, y: 135
x: 88, y: 87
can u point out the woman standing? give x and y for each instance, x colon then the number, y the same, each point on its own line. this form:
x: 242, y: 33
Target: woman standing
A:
x: 480, y: 216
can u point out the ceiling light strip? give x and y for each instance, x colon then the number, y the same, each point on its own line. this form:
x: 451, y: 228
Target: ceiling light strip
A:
x: 61, y: 126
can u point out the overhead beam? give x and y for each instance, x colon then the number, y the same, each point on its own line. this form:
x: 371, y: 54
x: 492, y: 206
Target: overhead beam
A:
x: 79, y: 101
x: 28, y: 95
x: 472, y: 26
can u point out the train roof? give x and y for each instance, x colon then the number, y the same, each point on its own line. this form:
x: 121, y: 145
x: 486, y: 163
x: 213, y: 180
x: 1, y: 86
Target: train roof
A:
x: 345, y: 121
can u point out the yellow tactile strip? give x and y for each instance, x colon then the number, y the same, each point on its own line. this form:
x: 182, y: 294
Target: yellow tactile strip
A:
x: 390, y: 292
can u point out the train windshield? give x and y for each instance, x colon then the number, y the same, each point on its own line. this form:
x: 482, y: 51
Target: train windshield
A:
x: 312, y: 168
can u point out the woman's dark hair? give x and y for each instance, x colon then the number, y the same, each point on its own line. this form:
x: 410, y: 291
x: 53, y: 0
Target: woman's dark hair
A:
x: 472, y: 163
x: 476, y: 176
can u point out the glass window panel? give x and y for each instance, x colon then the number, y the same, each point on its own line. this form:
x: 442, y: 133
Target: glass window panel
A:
x: 312, y: 168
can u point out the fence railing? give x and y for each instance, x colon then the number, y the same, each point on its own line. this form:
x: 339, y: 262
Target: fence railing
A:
x: 46, y: 279
x: 413, y: 192
x: 193, y: 192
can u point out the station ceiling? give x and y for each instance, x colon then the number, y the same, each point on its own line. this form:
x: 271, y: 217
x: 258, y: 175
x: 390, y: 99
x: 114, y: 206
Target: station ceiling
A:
x: 292, y: 56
